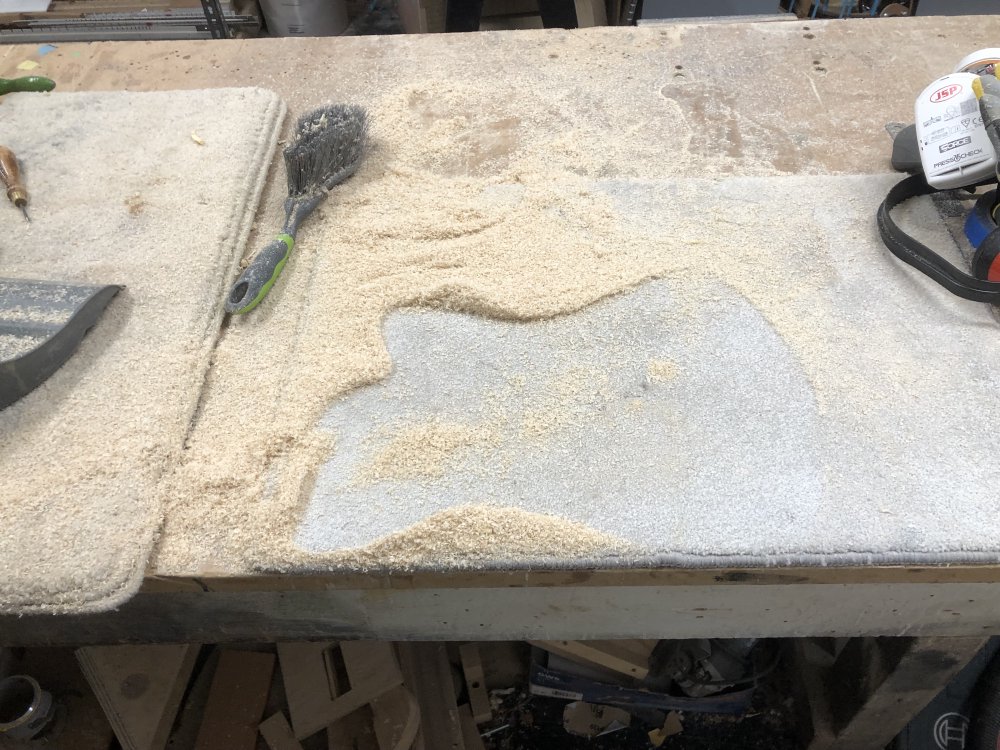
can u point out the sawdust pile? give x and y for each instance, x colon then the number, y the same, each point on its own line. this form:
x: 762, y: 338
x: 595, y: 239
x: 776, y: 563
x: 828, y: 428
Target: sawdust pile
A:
x: 464, y: 536
x: 424, y: 451
x: 475, y: 196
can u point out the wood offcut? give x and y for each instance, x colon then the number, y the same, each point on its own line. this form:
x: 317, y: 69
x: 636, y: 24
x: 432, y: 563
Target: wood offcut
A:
x: 236, y: 701
x: 475, y: 683
x: 140, y: 688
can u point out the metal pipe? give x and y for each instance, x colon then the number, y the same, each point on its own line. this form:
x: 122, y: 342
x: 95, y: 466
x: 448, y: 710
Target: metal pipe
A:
x: 25, y: 708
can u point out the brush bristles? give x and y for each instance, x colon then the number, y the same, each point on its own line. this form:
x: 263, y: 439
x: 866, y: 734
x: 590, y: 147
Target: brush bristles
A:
x: 328, y: 148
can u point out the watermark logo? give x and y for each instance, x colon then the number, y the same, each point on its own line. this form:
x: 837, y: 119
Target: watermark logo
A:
x: 950, y: 730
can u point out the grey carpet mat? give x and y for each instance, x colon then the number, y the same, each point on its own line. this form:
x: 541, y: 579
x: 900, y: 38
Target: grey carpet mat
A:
x: 157, y: 192
x: 809, y: 400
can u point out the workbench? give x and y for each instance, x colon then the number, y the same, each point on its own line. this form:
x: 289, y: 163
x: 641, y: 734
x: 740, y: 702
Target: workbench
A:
x: 850, y: 81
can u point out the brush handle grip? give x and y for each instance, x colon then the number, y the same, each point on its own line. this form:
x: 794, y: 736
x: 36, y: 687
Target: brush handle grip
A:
x: 26, y: 83
x: 258, y: 278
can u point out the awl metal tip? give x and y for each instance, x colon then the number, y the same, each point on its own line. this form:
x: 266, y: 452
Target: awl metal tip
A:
x: 25, y: 212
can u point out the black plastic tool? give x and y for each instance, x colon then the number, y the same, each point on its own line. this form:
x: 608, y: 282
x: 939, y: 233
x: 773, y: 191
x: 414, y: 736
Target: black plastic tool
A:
x: 41, y: 325
x: 906, y: 151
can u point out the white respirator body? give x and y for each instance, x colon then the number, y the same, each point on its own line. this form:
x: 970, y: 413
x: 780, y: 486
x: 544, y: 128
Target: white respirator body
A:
x: 955, y: 150
x: 981, y: 62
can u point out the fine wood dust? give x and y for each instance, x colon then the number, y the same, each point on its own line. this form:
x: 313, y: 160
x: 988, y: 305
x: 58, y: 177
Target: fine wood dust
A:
x: 464, y: 202
x: 471, y: 535
x: 425, y: 451
x: 661, y: 370
x: 404, y: 231
x: 570, y: 396
x: 83, y: 456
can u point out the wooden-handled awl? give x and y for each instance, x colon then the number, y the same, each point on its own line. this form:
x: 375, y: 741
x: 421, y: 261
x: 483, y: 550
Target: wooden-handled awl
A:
x: 10, y: 174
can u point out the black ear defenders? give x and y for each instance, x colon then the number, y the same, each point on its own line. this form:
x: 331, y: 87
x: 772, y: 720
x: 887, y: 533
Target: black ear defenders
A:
x: 983, y: 285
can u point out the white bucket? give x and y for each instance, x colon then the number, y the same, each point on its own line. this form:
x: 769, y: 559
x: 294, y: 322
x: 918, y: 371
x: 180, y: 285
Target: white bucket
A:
x: 305, y: 17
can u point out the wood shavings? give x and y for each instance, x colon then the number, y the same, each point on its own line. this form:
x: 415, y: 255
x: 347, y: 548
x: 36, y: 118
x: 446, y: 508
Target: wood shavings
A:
x: 15, y: 346
x: 661, y: 370
x: 464, y: 536
x: 497, y: 197
x: 82, y: 457
x: 490, y: 228
x: 424, y: 450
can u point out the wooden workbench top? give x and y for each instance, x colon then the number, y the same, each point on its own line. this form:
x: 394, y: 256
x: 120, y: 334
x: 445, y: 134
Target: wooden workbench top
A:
x: 835, y: 81
x: 799, y: 87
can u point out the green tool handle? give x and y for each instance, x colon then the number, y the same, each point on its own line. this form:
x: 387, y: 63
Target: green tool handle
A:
x: 26, y: 83
x: 258, y: 278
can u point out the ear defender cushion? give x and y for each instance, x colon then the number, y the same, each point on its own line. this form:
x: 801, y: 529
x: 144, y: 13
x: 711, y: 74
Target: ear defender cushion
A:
x: 986, y: 261
x: 982, y: 231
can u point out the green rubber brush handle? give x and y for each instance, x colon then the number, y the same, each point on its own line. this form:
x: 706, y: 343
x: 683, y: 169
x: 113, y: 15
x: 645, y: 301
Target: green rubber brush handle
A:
x: 258, y: 278
x: 26, y: 83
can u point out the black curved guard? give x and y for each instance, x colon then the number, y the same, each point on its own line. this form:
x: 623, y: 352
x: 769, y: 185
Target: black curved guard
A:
x: 921, y: 257
x: 22, y: 374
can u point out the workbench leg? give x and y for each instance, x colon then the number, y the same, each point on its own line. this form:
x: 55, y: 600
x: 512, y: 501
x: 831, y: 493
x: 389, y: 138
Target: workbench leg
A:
x: 875, y: 686
x: 558, y: 14
x: 463, y: 15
